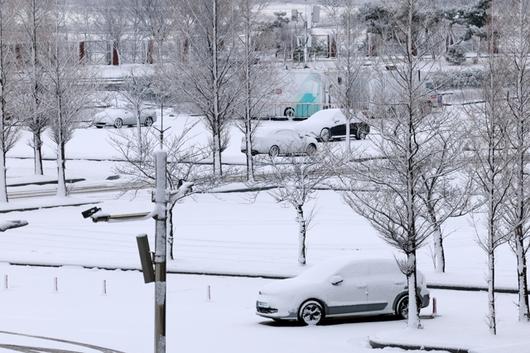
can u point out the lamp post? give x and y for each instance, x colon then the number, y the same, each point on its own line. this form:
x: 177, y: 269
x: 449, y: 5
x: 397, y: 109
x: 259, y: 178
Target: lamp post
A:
x: 161, y: 197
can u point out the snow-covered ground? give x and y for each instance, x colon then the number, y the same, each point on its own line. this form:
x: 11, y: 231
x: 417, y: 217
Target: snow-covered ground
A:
x: 233, y: 233
x: 122, y: 319
x: 215, y: 233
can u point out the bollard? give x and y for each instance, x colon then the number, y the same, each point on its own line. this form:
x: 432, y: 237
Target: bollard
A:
x: 6, y: 282
x: 104, y: 287
x: 434, y: 307
x: 209, y: 293
x: 55, y: 284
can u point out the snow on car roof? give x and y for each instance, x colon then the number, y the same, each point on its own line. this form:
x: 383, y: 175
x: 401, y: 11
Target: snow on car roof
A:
x: 331, y: 267
x: 326, y: 114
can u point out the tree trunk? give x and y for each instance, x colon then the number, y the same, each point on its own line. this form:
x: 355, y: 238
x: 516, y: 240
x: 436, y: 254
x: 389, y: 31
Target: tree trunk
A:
x: 61, y: 171
x: 139, y: 134
x: 3, y: 176
x: 413, y: 319
x: 439, y: 252
x: 302, y: 228
x: 521, y: 274
x: 250, y: 158
x: 492, y: 322
x: 37, y: 139
x: 37, y: 153
x: 348, y: 137
x: 217, y: 167
x: 217, y: 171
x: 248, y: 95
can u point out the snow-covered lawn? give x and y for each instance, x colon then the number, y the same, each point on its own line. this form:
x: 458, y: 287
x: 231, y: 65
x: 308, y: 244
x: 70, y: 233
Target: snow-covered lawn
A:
x: 229, y: 233
x: 122, y: 319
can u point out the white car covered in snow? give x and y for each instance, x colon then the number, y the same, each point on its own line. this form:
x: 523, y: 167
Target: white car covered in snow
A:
x: 275, y: 142
x: 339, y: 288
x: 119, y: 117
x: 330, y: 124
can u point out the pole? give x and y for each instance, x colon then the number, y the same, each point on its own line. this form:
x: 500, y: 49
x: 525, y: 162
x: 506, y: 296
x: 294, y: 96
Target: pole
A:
x: 160, y: 252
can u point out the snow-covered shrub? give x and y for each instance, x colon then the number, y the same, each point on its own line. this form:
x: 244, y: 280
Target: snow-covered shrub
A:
x: 456, y: 54
x: 445, y: 80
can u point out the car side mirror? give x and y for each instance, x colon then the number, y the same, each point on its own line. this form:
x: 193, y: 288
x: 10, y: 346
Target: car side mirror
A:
x: 336, y: 280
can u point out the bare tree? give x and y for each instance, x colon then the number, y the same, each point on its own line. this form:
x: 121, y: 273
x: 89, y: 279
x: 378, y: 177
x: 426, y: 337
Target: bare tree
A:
x: 490, y: 124
x: 392, y: 202
x: 111, y: 19
x: 8, y: 129
x: 348, y: 65
x: 258, y: 78
x: 210, y: 74
x: 67, y: 88
x: 515, y: 36
x: 156, y: 18
x: 448, y: 184
x: 36, y: 19
x: 296, y: 179
x: 185, y: 175
x: 135, y: 92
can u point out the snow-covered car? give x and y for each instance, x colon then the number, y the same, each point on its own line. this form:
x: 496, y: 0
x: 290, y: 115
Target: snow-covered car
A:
x: 281, y: 142
x: 338, y: 288
x: 119, y: 117
x: 330, y: 124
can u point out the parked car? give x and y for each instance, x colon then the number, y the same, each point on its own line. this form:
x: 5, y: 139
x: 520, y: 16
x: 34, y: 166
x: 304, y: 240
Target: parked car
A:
x: 119, y: 117
x: 330, y: 124
x: 339, y: 288
x: 281, y: 142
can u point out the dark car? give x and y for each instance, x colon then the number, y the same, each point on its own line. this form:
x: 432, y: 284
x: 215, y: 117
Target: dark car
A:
x: 330, y: 124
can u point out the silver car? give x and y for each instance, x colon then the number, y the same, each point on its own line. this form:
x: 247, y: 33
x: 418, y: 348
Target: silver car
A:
x: 281, y: 142
x: 119, y: 117
x: 339, y: 288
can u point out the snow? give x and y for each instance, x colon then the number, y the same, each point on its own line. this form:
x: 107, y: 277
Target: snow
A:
x: 232, y: 233
x: 122, y: 319
x: 235, y: 233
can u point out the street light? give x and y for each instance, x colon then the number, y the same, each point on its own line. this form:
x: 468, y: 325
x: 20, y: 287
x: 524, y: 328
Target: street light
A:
x: 161, y: 198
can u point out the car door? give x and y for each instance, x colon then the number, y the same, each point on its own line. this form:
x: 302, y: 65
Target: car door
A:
x: 386, y: 281
x: 338, y: 130
x: 128, y: 117
x: 349, y: 296
x: 284, y: 140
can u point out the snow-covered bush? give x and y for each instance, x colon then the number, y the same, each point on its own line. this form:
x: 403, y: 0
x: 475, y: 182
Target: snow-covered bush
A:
x: 456, y: 54
x: 458, y: 79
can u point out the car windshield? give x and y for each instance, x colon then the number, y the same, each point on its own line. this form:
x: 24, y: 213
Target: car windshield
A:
x: 323, y: 270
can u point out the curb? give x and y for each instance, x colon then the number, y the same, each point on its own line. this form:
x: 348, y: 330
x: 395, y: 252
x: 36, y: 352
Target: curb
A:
x: 46, y: 182
x: 411, y: 347
x: 471, y: 288
x: 240, y: 275
x: 34, y: 208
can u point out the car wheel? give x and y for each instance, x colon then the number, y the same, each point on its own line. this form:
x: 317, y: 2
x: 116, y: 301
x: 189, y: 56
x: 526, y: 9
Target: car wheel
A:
x: 274, y: 151
x: 402, y: 307
x: 148, y: 121
x: 325, y: 135
x: 288, y: 112
x: 311, y: 149
x: 311, y: 313
x: 360, y: 134
x: 118, y: 123
x: 99, y: 127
